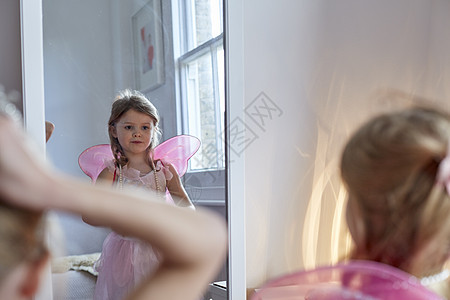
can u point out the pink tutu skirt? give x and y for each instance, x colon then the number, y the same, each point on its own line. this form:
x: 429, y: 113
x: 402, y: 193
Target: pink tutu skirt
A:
x: 123, y: 264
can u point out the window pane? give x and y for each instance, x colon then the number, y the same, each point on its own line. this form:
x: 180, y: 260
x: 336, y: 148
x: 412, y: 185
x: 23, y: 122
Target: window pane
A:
x: 221, y: 84
x: 204, y: 113
x: 205, y: 21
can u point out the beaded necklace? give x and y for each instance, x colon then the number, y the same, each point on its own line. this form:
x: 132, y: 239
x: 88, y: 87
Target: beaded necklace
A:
x: 432, y: 279
x: 155, y: 175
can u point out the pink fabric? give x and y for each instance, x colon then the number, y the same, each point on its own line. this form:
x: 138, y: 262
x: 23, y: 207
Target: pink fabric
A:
x: 177, y: 151
x: 94, y: 159
x: 123, y: 264
x: 133, y: 176
x: 354, y: 280
x: 126, y: 261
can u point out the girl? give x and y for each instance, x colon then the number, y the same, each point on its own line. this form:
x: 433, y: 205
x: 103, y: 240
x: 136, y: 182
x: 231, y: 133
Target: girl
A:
x: 193, y: 247
x: 397, y: 172
x: 133, y: 131
x: 396, y: 169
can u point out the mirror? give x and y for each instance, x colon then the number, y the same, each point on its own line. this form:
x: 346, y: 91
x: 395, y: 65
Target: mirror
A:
x: 93, y: 49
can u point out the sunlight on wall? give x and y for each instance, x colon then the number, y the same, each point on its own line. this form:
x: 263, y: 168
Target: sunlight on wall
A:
x: 325, y: 241
x: 325, y: 237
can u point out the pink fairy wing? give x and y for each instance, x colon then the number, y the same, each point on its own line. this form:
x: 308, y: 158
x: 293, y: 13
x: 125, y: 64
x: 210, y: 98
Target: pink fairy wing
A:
x: 94, y: 159
x: 177, y: 151
x: 352, y: 280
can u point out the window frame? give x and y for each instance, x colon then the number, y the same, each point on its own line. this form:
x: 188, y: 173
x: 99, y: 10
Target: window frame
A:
x: 210, y: 181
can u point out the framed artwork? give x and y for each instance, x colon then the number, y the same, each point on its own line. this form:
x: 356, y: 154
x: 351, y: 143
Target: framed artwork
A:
x: 148, y: 46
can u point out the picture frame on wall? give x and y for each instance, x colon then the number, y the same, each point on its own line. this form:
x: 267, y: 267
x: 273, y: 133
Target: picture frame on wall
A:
x: 148, y: 46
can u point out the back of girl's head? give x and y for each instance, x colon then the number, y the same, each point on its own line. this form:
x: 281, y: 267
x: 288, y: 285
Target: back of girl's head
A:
x: 21, y: 237
x: 389, y: 167
x: 131, y: 100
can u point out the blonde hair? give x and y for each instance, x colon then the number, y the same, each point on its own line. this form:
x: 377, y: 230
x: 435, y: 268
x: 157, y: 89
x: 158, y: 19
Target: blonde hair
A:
x: 389, y: 168
x: 21, y: 237
x: 130, y: 99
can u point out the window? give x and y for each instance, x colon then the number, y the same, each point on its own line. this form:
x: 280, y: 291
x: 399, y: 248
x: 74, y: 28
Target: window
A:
x: 200, y: 61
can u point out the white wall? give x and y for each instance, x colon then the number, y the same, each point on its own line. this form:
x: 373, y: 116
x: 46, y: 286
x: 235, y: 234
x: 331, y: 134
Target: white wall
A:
x: 162, y: 97
x: 88, y: 57
x: 323, y: 64
x: 78, y: 74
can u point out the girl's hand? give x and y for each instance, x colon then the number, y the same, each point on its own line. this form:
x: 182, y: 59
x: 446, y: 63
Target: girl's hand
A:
x: 193, y: 247
x: 177, y: 190
x: 24, y: 176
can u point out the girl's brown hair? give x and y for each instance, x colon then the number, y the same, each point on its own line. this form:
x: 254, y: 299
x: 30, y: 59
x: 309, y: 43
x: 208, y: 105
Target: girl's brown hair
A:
x: 21, y: 236
x: 130, y: 99
x: 389, y: 167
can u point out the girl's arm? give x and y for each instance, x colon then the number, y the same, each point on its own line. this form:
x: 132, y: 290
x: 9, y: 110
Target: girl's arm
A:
x: 105, y: 177
x: 177, y: 190
x: 193, y: 247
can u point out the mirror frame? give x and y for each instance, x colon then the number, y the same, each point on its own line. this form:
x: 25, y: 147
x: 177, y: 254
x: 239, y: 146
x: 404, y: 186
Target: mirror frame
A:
x: 34, y: 118
x: 33, y: 95
x: 33, y: 69
x: 235, y: 164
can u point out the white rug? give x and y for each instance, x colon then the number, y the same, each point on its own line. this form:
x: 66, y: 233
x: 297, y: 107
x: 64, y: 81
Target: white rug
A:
x: 76, y: 262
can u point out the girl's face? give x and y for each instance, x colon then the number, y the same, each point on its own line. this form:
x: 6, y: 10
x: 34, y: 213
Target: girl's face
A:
x: 134, y: 130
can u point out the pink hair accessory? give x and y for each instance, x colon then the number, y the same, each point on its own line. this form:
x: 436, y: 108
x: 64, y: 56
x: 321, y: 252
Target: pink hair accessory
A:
x: 443, y: 173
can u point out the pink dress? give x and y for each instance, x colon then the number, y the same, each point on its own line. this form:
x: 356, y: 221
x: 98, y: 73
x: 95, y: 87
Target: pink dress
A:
x: 126, y: 261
